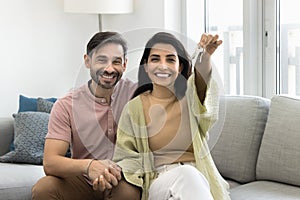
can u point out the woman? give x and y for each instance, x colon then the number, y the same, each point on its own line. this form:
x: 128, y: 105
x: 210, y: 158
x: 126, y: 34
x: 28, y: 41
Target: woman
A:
x: 161, y: 141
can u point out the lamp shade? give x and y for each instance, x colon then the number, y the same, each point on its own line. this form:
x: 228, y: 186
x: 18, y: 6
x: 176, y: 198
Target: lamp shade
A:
x: 98, y: 6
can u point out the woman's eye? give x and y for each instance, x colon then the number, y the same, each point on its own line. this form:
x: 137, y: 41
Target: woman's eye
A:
x: 154, y: 59
x: 171, y: 60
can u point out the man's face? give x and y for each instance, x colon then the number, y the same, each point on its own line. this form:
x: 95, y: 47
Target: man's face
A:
x: 107, y: 65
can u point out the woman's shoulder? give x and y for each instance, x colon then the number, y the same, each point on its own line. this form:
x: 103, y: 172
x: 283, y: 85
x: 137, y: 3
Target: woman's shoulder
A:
x: 136, y: 104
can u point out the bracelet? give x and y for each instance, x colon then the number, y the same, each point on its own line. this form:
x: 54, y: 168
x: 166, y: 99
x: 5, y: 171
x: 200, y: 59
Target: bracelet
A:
x: 88, y: 168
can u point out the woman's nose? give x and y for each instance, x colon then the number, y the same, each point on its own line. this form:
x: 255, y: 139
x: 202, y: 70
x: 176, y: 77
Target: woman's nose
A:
x: 163, y: 65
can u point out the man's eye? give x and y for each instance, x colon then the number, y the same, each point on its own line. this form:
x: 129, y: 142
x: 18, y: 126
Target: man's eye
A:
x: 117, y: 62
x: 102, y: 60
x: 154, y: 59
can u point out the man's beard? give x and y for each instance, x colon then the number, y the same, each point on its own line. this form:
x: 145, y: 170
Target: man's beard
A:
x: 97, y: 76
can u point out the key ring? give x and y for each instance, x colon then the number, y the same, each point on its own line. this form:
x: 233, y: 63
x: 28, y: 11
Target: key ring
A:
x: 198, y: 50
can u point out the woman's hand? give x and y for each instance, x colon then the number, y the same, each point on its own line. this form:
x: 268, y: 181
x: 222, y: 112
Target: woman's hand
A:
x: 209, y: 43
x: 104, y: 174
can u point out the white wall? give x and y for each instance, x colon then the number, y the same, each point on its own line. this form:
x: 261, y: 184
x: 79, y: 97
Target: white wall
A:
x: 147, y: 18
x: 41, y: 50
x: 42, y: 47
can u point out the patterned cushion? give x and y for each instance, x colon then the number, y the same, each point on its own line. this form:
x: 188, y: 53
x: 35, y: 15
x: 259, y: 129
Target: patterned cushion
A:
x: 30, y: 131
x: 44, y: 105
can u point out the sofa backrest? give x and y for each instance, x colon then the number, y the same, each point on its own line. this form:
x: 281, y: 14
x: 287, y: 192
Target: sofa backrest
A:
x: 279, y: 155
x: 6, y: 134
x: 236, y: 137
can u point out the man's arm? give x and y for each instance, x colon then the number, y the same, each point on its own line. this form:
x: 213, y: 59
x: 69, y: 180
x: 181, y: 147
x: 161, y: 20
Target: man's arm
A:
x: 56, y: 164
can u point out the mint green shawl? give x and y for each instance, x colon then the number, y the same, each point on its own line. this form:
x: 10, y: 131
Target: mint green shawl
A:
x: 132, y: 152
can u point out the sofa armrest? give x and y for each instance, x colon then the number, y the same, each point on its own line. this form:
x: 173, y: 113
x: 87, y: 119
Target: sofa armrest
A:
x: 6, y: 134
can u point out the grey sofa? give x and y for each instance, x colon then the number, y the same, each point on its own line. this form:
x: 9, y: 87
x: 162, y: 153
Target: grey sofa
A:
x: 258, y: 150
x: 16, y: 180
x: 255, y: 145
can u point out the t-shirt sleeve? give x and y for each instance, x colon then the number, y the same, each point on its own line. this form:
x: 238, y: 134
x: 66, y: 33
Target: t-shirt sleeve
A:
x: 59, y: 126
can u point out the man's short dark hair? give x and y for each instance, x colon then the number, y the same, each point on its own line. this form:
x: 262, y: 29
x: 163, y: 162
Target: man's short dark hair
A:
x: 102, y: 38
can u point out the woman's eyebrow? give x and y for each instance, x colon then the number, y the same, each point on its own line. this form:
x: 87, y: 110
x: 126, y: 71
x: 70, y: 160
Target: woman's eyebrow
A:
x: 168, y: 55
x: 154, y: 55
x: 171, y: 55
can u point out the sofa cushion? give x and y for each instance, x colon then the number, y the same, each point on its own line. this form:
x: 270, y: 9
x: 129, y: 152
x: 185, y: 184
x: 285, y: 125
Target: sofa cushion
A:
x: 18, y: 179
x: 241, y: 124
x: 262, y: 190
x: 30, y: 130
x: 44, y: 105
x: 30, y: 103
x: 279, y: 155
x: 39, y: 104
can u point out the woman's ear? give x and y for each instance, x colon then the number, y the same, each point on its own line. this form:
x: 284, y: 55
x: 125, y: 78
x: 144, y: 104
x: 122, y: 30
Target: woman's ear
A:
x: 180, y: 68
x: 87, y: 61
x: 145, y: 66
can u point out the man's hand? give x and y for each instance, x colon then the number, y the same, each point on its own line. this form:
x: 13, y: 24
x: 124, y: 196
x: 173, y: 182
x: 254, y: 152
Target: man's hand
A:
x: 104, y: 174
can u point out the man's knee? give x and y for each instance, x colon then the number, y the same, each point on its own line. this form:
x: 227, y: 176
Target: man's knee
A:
x: 44, y: 188
x: 125, y: 191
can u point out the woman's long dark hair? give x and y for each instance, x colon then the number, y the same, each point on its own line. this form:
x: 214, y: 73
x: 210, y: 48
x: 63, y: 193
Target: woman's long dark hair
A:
x: 145, y: 83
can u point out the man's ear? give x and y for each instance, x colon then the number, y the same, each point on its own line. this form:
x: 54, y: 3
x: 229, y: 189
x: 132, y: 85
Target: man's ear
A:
x: 125, y: 64
x: 87, y: 61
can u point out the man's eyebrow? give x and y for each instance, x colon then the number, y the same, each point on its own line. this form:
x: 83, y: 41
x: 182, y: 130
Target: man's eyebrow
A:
x: 101, y: 56
x: 117, y: 57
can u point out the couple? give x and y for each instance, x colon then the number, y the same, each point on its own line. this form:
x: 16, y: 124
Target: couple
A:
x: 154, y: 140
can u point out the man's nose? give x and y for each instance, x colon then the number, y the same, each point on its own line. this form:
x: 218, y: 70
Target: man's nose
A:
x: 109, y: 68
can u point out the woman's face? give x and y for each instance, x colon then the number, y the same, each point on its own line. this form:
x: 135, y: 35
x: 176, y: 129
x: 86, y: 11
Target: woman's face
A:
x: 163, y: 65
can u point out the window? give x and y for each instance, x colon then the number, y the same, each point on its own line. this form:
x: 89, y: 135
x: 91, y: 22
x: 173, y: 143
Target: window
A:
x: 260, y: 54
x: 289, y: 48
x: 229, y: 26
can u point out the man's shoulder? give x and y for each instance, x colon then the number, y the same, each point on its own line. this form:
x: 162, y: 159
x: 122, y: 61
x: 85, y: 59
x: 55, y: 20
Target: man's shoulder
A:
x: 126, y: 82
x: 125, y: 87
x: 70, y: 95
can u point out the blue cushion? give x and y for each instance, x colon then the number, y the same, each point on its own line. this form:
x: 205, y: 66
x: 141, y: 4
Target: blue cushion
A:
x: 30, y: 104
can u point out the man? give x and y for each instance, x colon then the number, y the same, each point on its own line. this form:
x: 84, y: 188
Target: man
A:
x: 86, y: 120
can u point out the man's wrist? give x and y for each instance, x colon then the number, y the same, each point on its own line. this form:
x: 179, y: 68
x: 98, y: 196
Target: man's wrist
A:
x: 87, y: 171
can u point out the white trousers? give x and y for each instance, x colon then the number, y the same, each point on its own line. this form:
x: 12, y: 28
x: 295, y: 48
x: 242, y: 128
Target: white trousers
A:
x: 180, y: 182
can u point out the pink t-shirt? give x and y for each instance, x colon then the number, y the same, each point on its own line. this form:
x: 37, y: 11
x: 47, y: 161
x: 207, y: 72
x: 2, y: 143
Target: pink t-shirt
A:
x: 89, y: 123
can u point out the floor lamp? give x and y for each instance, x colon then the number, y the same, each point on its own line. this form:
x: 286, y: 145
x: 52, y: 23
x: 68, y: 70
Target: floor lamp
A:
x: 98, y: 7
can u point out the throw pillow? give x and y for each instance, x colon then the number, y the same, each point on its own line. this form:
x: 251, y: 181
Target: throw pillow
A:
x: 30, y: 104
x: 44, y: 105
x: 30, y: 131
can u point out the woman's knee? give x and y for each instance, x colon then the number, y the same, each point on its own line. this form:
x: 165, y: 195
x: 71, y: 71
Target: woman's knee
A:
x: 192, y: 174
